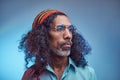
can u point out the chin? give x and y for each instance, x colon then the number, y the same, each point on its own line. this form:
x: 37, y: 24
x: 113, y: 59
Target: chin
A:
x: 63, y: 53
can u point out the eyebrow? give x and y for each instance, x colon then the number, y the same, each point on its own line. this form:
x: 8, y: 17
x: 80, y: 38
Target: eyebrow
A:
x: 63, y: 24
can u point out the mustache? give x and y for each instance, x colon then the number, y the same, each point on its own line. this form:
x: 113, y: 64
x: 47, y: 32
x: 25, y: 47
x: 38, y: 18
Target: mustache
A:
x: 66, y: 42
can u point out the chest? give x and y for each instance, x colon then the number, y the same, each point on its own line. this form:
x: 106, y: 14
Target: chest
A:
x: 59, y: 73
x: 68, y: 75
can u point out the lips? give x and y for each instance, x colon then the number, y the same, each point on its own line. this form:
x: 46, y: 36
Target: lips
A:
x: 67, y: 45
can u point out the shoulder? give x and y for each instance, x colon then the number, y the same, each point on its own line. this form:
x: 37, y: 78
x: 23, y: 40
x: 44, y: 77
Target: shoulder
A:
x: 28, y: 74
x: 88, y: 72
x: 90, y: 69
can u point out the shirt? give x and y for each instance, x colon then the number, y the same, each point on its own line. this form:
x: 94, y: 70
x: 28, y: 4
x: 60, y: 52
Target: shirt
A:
x: 71, y: 72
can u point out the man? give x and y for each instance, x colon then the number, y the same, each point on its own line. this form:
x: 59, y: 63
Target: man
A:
x: 58, y: 49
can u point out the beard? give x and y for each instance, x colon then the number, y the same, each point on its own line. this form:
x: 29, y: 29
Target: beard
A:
x: 62, y: 50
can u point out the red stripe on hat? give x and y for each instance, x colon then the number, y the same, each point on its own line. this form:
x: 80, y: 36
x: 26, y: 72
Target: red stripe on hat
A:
x: 48, y: 14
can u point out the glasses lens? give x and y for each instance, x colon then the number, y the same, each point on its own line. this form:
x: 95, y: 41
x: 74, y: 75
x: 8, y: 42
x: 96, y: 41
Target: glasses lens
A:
x: 71, y: 28
x: 60, y: 28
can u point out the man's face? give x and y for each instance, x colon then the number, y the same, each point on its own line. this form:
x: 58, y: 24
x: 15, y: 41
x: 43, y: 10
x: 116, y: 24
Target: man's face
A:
x: 61, y: 36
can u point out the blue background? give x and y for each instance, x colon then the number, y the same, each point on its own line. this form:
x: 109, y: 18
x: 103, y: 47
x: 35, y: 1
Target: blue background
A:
x: 97, y: 20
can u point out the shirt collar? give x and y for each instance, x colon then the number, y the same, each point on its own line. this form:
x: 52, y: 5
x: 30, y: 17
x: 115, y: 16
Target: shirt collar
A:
x: 71, y: 65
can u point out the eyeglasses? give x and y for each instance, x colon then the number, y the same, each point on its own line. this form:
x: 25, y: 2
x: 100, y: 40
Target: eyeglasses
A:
x: 62, y: 27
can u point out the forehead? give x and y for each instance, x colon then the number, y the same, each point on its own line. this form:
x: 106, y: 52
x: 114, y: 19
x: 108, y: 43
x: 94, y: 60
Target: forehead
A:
x: 61, y: 19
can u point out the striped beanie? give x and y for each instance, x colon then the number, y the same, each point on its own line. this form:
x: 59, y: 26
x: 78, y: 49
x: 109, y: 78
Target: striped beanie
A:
x: 39, y: 19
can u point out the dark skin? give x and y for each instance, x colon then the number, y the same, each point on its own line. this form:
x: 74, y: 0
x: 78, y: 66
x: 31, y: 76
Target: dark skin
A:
x: 57, y: 62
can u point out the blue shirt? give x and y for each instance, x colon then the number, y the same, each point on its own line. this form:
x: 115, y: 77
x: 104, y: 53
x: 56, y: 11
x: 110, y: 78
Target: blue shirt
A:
x: 71, y: 72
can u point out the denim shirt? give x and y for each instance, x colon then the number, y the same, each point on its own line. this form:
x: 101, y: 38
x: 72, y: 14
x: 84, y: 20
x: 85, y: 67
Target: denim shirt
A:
x: 71, y: 72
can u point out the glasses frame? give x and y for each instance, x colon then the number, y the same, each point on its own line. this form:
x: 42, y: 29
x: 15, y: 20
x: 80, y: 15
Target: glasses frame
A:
x: 62, y: 28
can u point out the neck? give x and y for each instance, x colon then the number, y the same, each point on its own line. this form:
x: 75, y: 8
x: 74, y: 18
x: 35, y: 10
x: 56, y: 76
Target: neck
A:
x: 58, y: 61
x: 58, y: 64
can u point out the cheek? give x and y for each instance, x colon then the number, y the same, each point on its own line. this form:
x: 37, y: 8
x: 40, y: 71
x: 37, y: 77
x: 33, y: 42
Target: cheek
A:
x: 55, y: 40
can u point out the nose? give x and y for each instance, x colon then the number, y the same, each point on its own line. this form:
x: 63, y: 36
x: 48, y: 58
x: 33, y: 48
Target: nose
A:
x: 67, y: 34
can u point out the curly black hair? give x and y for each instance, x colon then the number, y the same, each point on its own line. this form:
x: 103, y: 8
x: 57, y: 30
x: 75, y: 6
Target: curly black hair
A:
x: 35, y: 45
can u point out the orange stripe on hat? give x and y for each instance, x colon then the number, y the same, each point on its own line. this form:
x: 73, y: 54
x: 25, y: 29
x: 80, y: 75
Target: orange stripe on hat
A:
x: 42, y: 14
